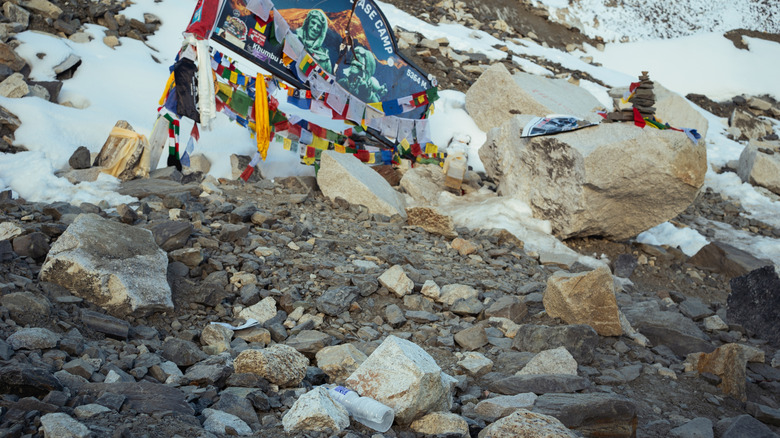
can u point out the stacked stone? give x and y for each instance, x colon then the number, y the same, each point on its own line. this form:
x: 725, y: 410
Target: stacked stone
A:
x: 643, y: 100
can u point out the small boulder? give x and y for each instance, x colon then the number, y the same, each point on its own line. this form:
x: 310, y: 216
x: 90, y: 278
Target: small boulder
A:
x: 584, y: 298
x: 316, y: 411
x: 404, y: 377
x: 279, y: 364
x: 555, y: 361
x: 524, y: 423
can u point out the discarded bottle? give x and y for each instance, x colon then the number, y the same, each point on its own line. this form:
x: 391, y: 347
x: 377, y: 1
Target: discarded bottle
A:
x: 363, y: 409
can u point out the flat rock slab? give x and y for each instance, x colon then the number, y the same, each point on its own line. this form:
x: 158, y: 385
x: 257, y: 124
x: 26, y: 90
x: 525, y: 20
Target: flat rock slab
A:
x: 538, y: 384
x: 591, y: 414
x: 144, y: 397
x: 142, y: 188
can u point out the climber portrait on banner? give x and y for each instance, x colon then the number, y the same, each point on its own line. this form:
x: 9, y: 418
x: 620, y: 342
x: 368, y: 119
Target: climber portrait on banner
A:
x: 312, y: 34
x: 359, y: 78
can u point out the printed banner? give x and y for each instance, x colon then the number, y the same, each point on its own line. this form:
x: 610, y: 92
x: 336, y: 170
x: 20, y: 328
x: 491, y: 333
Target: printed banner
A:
x: 372, y: 69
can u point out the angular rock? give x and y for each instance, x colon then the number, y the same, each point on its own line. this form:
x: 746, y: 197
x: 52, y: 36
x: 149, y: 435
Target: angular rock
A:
x: 454, y: 292
x: 526, y: 94
x: 555, y: 361
x: 750, y: 126
x: 182, y: 352
x: 697, y: 428
x: 26, y: 380
x: 475, y: 364
x: 224, y: 423
x: 344, y: 176
x: 241, y: 407
x: 35, y: 338
x: 441, y: 424
x: 279, y: 364
x: 472, y: 338
x: 80, y: 158
x: 695, y: 309
x: 217, y: 336
x: 396, y: 281
x: 570, y: 178
x: 403, y: 376
x: 538, y: 384
x: 144, y: 396
x: 34, y: 245
x: 725, y: 259
x: 760, y: 168
x: 309, y: 341
x: 499, y: 407
x: 113, y: 265
x: 337, y: 300
x: 743, y: 426
x: 729, y: 362
x: 339, y: 361
x: 424, y: 184
x: 44, y: 7
x: 261, y: 312
x: 579, y: 340
x: 14, y: 86
x: 105, y: 323
x: 524, y: 423
x: 764, y: 414
x: 431, y: 221
x: 592, y: 414
x: 584, y: 298
x: 668, y: 328
x: 59, y: 424
x: 753, y: 303
x: 124, y: 154
x: 25, y: 306
x: 316, y: 411
x: 508, y: 307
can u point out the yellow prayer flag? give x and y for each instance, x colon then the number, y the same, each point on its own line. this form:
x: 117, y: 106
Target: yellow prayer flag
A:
x: 431, y: 149
x: 405, y: 144
x: 340, y: 148
x: 377, y: 106
x: 233, y: 77
x: 319, y: 143
x: 287, y: 144
x: 372, y: 158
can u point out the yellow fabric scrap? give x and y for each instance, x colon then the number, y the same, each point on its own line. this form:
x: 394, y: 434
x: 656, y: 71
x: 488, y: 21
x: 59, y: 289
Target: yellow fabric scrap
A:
x: 126, y: 153
x: 262, y: 126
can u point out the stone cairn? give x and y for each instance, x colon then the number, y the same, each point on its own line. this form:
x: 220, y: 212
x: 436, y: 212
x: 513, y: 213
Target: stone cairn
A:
x: 643, y: 100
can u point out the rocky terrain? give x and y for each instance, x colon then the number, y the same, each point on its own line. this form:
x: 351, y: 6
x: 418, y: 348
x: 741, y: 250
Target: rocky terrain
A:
x: 332, y: 283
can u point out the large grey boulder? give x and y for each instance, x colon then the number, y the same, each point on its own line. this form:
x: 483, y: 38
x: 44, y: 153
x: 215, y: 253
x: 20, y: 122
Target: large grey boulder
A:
x: 613, y: 180
x: 667, y: 327
x: 405, y: 377
x: 759, y: 165
x: 113, y: 265
x: 498, y: 95
x: 344, y: 176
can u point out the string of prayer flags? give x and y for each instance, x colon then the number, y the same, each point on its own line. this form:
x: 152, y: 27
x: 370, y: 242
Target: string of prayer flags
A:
x: 261, y: 8
x: 281, y: 28
x: 337, y: 99
x: 356, y: 110
x: 422, y: 129
x: 406, y: 129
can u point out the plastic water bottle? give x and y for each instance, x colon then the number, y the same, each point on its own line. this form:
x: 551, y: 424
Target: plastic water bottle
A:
x: 365, y: 410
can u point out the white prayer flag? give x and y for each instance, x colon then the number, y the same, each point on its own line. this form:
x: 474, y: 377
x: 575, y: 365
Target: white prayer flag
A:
x: 261, y: 8
x: 356, y: 109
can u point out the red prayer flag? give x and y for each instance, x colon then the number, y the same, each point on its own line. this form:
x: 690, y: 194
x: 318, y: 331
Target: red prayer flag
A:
x: 638, y: 120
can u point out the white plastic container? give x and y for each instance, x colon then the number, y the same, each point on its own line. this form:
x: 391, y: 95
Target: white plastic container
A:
x: 365, y: 410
